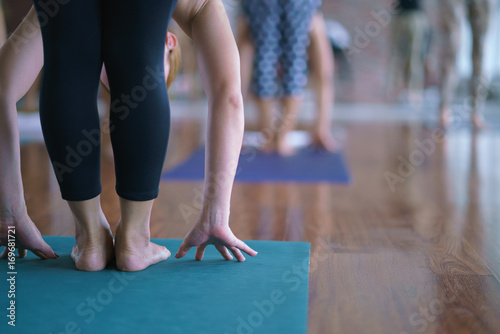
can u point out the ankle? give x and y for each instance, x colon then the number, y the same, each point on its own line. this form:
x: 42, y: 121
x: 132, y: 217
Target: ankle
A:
x: 132, y: 232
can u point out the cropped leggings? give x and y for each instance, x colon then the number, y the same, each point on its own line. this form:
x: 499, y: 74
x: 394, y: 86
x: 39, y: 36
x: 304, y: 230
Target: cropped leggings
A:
x: 280, y: 32
x: 128, y: 36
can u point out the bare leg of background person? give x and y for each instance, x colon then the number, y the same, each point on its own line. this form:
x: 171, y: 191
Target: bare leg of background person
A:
x: 3, y: 27
x: 479, y: 17
x: 322, y: 65
x: 266, y: 125
x: 247, y: 53
x: 291, y: 107
x: 416, y: 71
x: 451, y: 45
x: 396, y: 60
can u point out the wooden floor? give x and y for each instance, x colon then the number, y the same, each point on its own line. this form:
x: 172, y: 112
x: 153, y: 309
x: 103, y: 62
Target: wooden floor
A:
x: 423, y: 257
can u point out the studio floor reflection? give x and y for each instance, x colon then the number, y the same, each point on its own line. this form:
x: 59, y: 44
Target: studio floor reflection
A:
x: 410, y: 246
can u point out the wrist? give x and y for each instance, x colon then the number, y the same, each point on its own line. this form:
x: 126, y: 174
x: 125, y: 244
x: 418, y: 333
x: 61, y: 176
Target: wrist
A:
x: 12, y: 202
x: 215, y: 215
x: 10, y: 212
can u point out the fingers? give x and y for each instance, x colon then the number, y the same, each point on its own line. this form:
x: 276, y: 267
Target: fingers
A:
x: 199, y: 252
x: 40, y: 254
x: 22, y: 252
x: 45, y: 251
x: 237, y: 254
x: 224, y: 252
x: 183, y: 250
x: 244, y: 247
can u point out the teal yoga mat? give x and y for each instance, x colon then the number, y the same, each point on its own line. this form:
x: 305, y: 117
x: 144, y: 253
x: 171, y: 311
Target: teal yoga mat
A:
x: 265, y: 294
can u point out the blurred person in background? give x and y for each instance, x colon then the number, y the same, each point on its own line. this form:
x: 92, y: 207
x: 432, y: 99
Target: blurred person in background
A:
x: 410, y: 46
x: 3, y: 28
x: 477, y: 13
x: 279, y: 31
x: 322, y: 70
x: 322, y: 65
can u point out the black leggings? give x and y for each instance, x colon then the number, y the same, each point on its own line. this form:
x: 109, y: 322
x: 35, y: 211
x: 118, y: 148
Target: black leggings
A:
x: 129, y: 37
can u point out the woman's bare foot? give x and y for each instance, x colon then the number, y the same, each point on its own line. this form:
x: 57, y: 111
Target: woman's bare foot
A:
x: 478, y: 121
x: 133, y: 249
x: 444, y: 117
x: 94, y: 248
x: 284, y: 148
x: 324, y: 140
x: 269, y: 146
x: 94, y: 240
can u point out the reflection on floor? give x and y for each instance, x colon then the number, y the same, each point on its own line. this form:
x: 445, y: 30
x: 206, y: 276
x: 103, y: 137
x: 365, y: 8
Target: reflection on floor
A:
x: 412, y: 246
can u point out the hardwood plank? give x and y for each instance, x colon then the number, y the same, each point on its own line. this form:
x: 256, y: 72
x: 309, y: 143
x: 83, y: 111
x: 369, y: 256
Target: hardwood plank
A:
x: 422, y: 257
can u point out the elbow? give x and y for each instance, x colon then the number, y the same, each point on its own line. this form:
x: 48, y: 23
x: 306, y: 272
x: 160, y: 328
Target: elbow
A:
x: 235, y: 110
x: 231, y: 99
x: 235, y: 101
x: 229, y: 104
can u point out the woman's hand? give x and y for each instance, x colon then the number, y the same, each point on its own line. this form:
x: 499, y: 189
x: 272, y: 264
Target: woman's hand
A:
x: 26, y: 236
x: 323, y: 139
x: 213, y: 229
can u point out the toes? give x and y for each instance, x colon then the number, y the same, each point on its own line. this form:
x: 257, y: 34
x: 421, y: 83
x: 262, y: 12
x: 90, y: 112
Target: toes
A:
x: 22, y: 252
x: 74, y: 251
x: 166, y: 253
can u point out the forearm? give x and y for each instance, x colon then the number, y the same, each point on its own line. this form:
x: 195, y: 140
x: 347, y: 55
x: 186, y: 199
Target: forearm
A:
x: 223, y: 145
x: 11, y: 188
x: 219, y: 65
x: 220, y: 72
x: 20, y: 63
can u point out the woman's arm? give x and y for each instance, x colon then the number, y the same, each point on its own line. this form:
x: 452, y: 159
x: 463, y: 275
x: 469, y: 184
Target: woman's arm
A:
x: 206, y: 22
x: 21, y: 59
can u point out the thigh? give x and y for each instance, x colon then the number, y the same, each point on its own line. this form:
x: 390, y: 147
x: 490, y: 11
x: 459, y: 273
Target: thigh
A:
x: 479, y: 14
x: 134, y: 34
x: 296, y: 22
x: 71, y: 39
x: 264, y: 20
